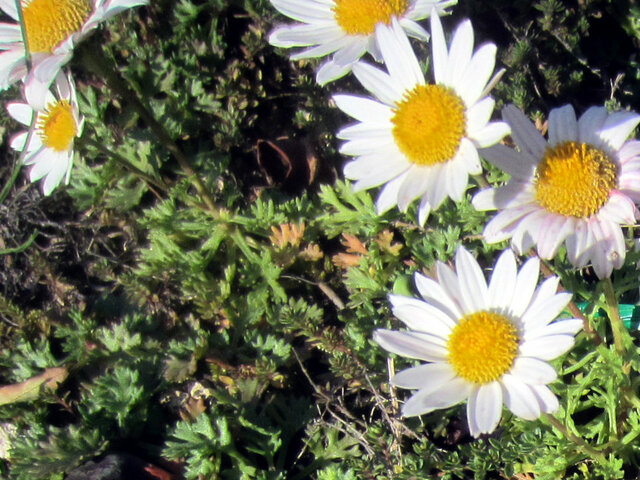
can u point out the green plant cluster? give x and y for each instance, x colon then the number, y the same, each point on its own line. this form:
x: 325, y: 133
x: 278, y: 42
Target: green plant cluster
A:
x: 232, y: 340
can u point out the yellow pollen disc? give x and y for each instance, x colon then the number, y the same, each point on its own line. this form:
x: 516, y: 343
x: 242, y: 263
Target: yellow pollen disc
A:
x: 360, y: 17
x: 49, y: 22
x: 482, y: 347
x: 429, y: 123
x: 575, y: 179
x: 57, y: 127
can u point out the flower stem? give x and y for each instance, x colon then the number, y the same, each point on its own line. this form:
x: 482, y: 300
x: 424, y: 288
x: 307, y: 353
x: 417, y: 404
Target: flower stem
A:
x: 121, y: 86
x: 583, y: 446
x: 621, y: 338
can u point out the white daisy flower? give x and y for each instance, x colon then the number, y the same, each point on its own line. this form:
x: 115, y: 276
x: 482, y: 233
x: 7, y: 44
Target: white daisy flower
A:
x: 345, y: 28
x: 57, y: 124
x: 486, y: 344
x: 52, y: 28
x: 420, y: 139
x: 578, y: 186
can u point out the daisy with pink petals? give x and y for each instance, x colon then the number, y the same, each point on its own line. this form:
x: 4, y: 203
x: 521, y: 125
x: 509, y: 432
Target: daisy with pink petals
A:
x: 487, y: 344
x: 577, y: 188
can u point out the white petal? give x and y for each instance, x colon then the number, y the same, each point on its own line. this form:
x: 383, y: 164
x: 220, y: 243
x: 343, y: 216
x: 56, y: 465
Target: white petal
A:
x: 569, y: 326
x: 519, y: 398
x: 547, y: 400
x: 388, y: 196
x: 330, y: 71
x: 479, y: 115
x: 439, y: 49
x: 411, y: 344
x: 533, y: 371
x: 503, y: 282
x: 468, y: 153
x: 526, y: 283
x: 473, y: 286
x: 563, y: 125
x: 449, y: 394
x: 378, y: 83
x: 21, y: 112
x: 422, y: 317
x: 542, y: 312
x: 414, y: 30
x: 474, y: 79
x: 497, y: 229
x: 429, y: 376
x: 304, y: 35
x: 491, y: 134
x: 484, y: 408
x: 547, y: 347
x: 399, y: 57
x: 303, y: 10
x: 434, y: 294
x: 459, y: 55
x: 363, y: 109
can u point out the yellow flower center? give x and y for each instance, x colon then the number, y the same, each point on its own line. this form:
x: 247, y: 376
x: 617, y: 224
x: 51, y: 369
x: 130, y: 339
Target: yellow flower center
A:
x: 57, y: 127
x: 482, y: 347
x: 360, y: 17
x: 429, y: 123
x: 49, y: 22
x: 575, y: 179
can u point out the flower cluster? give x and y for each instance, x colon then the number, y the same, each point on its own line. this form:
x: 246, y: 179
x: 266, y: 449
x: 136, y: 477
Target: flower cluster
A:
x: 34, y: 51
x: 421, y: 139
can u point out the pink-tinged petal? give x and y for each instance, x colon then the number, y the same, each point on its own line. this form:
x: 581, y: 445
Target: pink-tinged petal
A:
x: 579, y: 244
x: 434, y: 294
x: 523, y: 132
x: 430, y: 376
x: 619, y: 208
x: 629, y: 151
x: 484, y: 408
x: 517, y: 164
x: 473, y: 286
x: 448, y: 395
x: 562, y: 125
x: 589, y: 125
x: 412, y: 345
x: 553, y: 232
x: 617, y: 127
x: 422, y: 317
x: 503, y: 282
x: 599, y: 254
x: 533, y: 371
x: 519, y: 398
x: 497, y: 229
